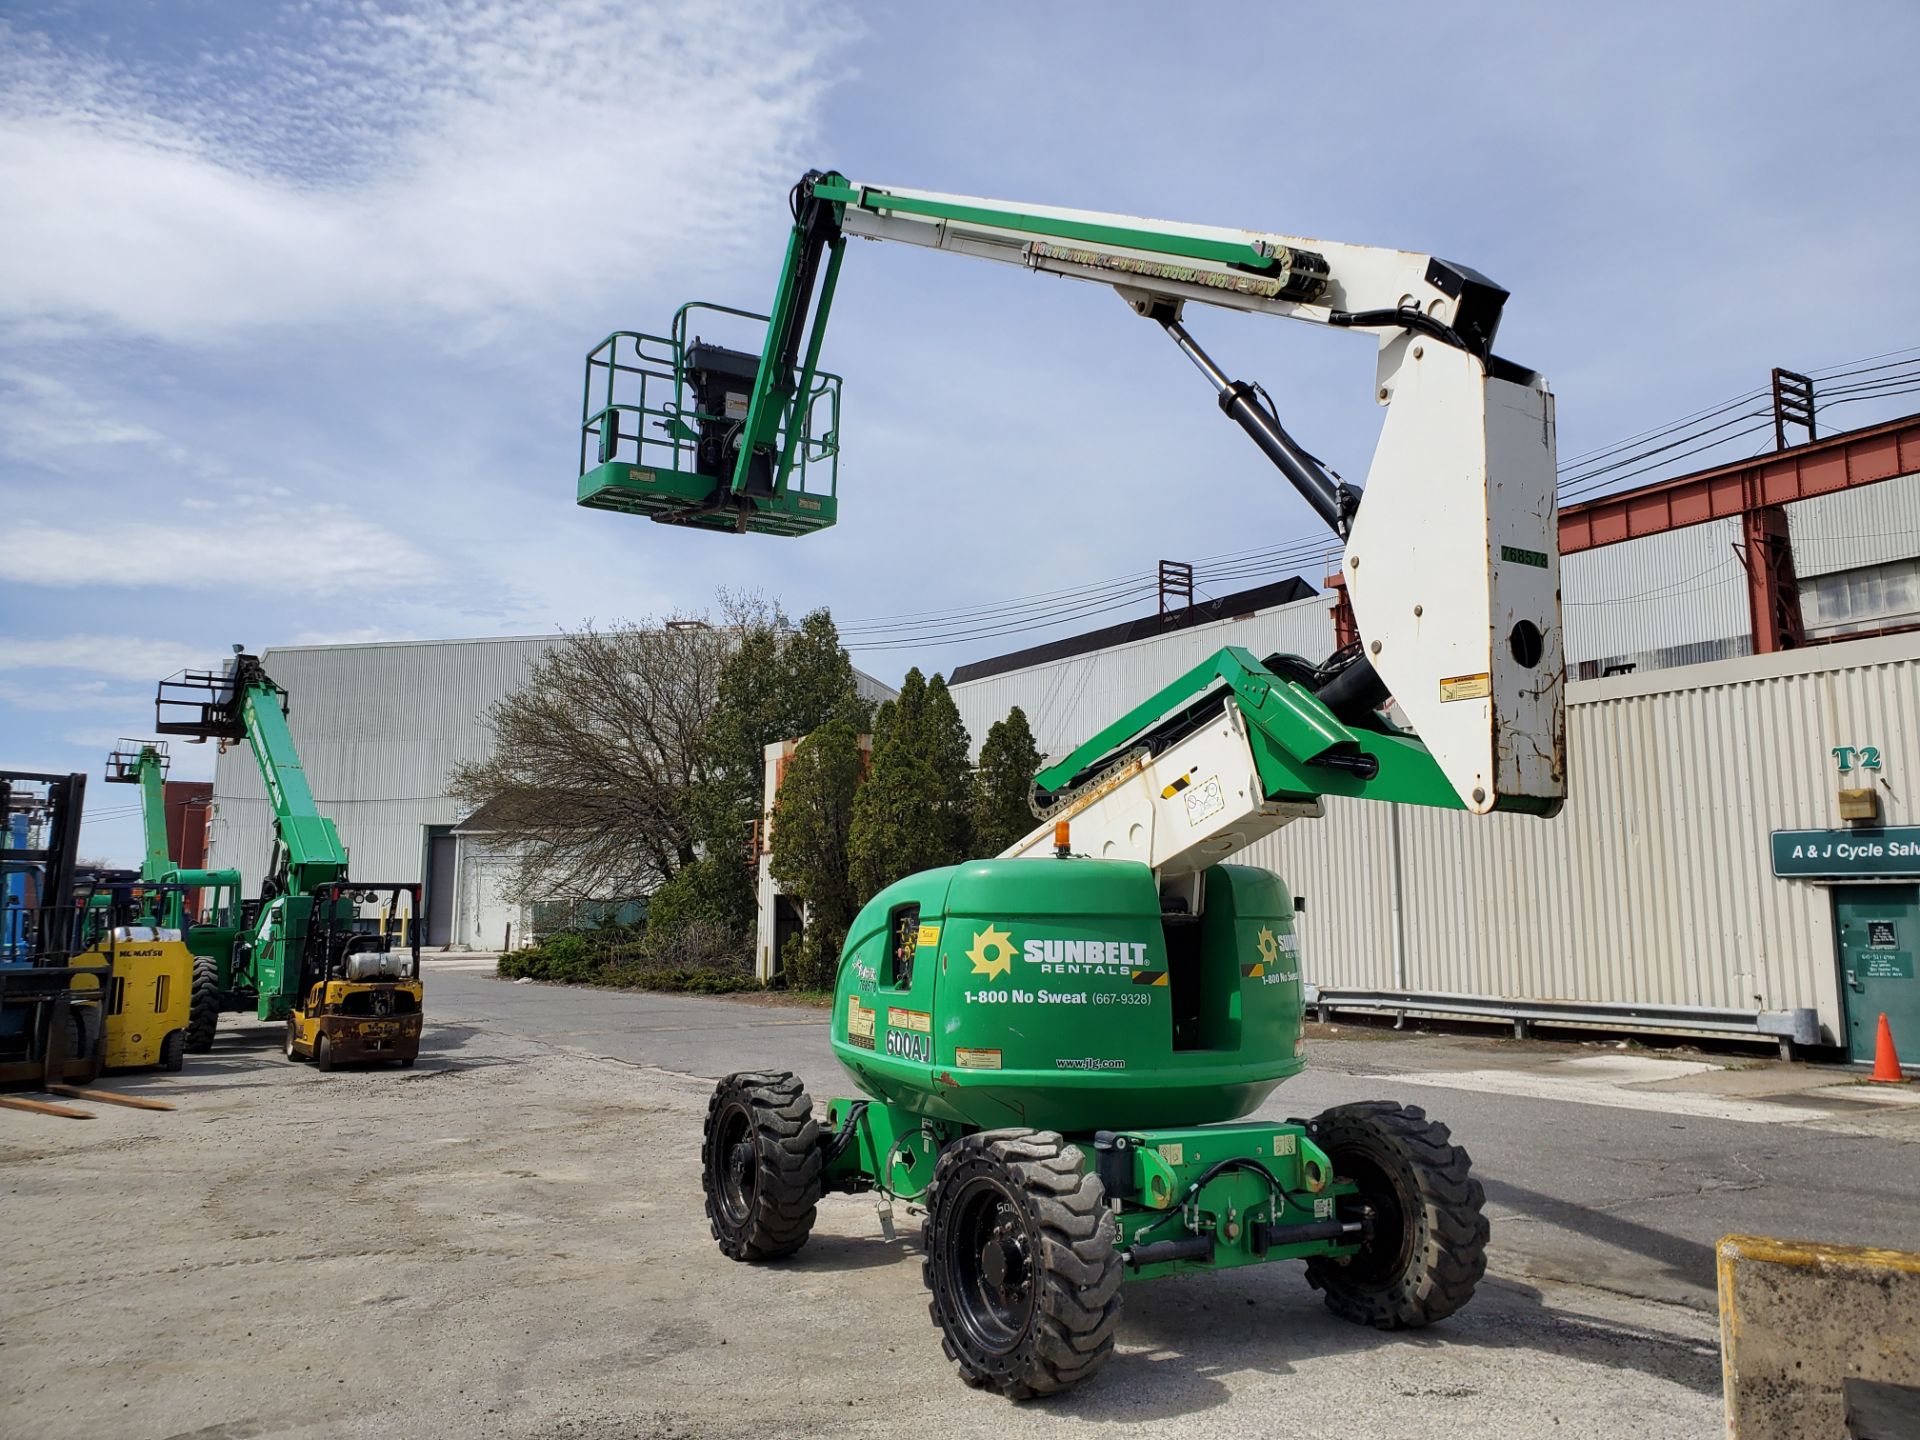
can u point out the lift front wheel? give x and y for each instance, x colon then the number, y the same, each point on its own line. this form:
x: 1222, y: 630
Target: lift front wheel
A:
x: 760, y: 1165
x: 1022, y: 1262
x: 1427, y: 1246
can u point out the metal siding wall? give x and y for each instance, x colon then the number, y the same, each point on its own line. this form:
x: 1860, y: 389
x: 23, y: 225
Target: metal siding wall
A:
x: 1677, y: 588
x: 1853, y: 528
x: 1068, y: 700
x: 1655, y: 884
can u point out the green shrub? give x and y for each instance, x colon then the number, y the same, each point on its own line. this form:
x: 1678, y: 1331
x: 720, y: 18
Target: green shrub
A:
x: 699, y: 957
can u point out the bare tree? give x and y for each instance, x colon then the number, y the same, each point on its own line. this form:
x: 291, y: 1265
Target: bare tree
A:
x: 594, y: 758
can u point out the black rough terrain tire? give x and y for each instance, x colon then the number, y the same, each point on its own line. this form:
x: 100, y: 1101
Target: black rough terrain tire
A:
x: 173, y: 1050
x: 1023, y: 1262
x: 760, y: 1165
x: 1429, y: 1247
x: 203, y: 1011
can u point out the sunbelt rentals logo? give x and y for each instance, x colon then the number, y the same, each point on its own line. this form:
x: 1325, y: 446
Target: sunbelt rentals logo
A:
x: 993, y: 951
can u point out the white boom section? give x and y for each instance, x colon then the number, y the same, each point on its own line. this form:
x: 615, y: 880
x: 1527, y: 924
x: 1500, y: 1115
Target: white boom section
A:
x: 1193, y: 805
x: 1453, y: 568
x: 1452, y: 565
x: 1360, y: 277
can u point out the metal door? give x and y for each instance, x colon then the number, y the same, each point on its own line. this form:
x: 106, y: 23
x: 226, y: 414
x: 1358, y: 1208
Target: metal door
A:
x: 440, y: 881
x: 1879, y: 929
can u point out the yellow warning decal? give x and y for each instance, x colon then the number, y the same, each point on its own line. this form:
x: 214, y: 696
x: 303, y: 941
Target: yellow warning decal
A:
x: 929, y: 935
x: 1173, y: 1153
x: 1466, y: 687
x: 641, y: 477
x: 859, y: 1022
x: 910, y: 1020
x: 977, y: 1059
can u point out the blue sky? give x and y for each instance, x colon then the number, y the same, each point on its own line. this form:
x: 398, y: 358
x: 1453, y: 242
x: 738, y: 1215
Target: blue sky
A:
x: 293, y: 299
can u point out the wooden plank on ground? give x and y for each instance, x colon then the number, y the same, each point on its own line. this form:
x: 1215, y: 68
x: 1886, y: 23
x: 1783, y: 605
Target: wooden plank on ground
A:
x: 43, y: 1107
x: 111, y: 1097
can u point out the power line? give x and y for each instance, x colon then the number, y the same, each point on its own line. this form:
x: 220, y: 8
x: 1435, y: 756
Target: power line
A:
x: 1879, y: 376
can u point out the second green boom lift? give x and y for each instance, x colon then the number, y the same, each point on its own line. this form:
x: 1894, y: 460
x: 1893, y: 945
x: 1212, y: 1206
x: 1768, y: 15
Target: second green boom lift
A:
x: 346, y: 982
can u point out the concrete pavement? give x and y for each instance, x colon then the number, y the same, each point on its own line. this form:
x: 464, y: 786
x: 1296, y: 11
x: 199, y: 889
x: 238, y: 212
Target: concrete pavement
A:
x: 1617, y: 1169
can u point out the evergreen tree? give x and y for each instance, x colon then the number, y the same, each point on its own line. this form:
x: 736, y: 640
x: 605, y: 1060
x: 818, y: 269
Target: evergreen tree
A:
x: 780, y: 681
x: 914, y: 812
x: 1003, y: 784
x: 812, y: 819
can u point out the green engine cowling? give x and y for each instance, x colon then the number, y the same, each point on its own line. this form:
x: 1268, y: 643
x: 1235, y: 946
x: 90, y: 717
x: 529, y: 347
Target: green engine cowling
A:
x: 1055, y: 994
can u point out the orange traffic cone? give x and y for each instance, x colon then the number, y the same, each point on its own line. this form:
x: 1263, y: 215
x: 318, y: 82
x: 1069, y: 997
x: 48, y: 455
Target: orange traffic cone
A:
x: 1886, y: 1060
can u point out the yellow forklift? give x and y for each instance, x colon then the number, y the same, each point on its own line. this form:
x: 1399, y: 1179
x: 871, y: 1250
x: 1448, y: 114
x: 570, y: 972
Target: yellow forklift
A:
x: 360, y: 994
x: 148, y: 971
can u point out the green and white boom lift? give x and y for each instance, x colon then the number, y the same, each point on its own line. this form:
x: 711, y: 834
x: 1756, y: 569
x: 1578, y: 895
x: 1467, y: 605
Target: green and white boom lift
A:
x: 209, y: 934
x: 1059, y: 1048
x: 305, y: 904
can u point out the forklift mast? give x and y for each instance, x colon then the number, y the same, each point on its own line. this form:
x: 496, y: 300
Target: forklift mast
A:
x: 49, y: 986
x: 1450, y: 549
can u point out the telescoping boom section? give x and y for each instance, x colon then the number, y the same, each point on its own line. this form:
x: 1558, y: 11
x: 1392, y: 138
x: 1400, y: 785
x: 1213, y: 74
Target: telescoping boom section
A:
x: 1449, y: 549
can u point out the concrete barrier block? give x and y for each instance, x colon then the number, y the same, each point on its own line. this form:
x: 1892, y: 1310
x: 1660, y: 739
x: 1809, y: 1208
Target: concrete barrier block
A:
x: 1818, y: 1340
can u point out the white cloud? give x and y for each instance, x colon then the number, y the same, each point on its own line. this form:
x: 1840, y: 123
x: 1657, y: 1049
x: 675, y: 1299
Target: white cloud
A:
x: 120, y: 657
x: 282, y: 549
x: 47, y: 422
x: 68, y: 697
x: 462, y: 158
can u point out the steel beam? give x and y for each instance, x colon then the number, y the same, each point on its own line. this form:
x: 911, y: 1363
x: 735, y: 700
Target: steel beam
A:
x: 1821, y: 467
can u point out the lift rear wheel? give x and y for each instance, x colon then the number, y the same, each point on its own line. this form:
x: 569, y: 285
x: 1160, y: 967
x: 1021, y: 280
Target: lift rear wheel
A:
x: 323, y: 1051
x: 1023, y: 1263
x: 1428, y: 1246
x: 173, y: 1050
x: 760, y: 1165
x: 203, y: 1010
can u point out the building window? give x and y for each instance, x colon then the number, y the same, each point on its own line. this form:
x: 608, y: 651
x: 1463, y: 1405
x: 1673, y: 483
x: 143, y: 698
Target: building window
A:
x: 1873, y: 597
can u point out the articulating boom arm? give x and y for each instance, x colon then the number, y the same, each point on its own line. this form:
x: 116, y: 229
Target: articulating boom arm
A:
x: 1449, y: 551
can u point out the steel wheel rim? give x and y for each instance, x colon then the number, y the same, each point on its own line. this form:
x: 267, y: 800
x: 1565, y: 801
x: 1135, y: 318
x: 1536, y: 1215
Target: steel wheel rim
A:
x: 1383, y: 1257
x: 989, y: 1255
x: 736, y: 1180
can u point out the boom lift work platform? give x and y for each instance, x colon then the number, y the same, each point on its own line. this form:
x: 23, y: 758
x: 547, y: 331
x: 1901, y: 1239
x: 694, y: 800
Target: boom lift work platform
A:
x: 1058, y: 1048
x: 346, y: 984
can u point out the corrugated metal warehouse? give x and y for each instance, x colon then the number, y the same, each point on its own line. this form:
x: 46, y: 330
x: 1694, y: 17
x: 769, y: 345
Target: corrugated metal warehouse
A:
x: 379, y: 727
